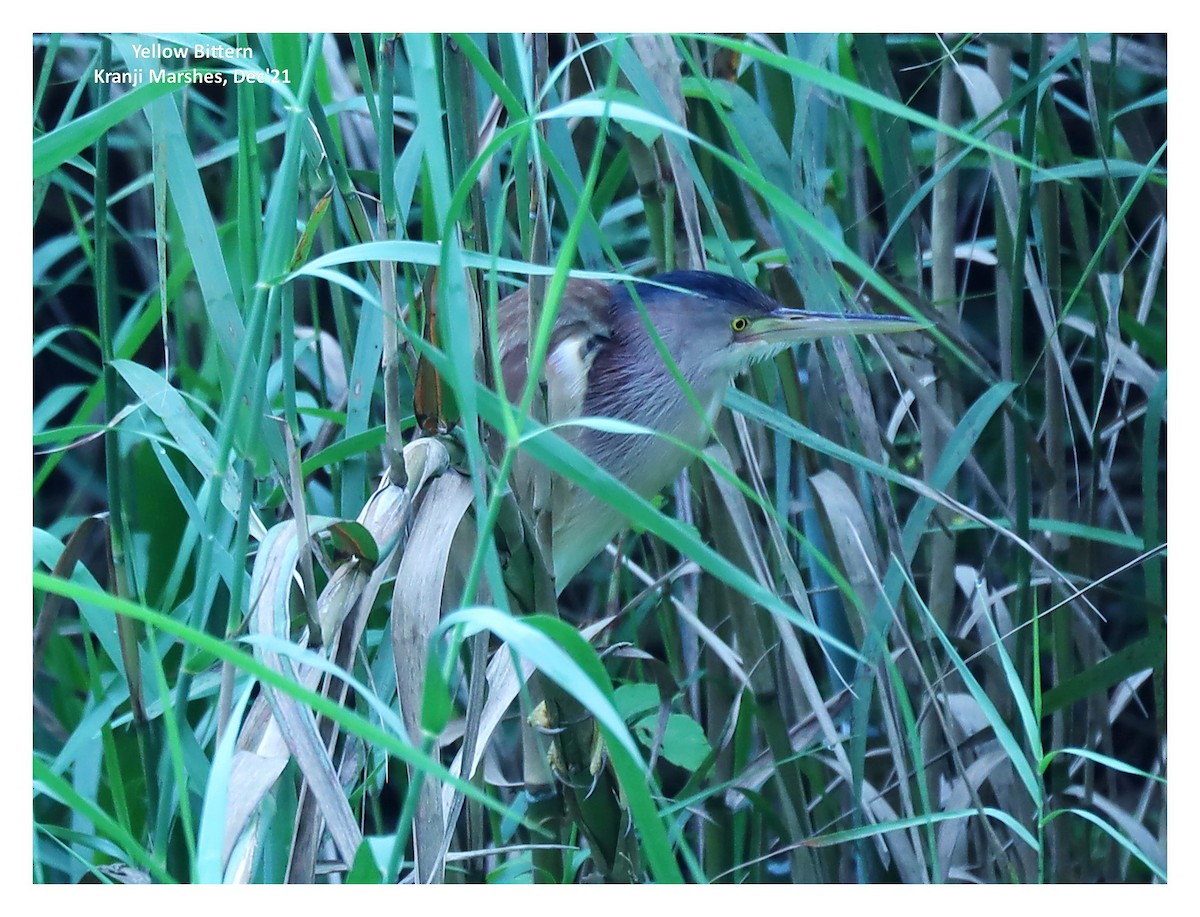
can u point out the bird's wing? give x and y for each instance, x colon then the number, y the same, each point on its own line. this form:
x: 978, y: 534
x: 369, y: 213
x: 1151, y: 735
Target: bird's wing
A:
x: 582, y: 325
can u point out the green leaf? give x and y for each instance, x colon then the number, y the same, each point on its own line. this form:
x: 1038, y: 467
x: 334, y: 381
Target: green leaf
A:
x: 1143, y: 654
x: 1007, y: 740
x: 46, y: 782
x: 210, y: 843
x: 901, y: 824
x: 392, y: 741
x: 436, y: 703
x: 189, y: 435
x: 683, y: 743
x: 53, y: 149
x: 574, y: 668
x: 1114, y: 834
x: 1106, y: 760
x: 634, y: 699
x: 354, y: 538
x: 364, y: 870
x: 562, y: 654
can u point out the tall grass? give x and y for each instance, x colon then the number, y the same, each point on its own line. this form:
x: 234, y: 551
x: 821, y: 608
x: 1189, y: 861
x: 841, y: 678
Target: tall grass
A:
x: 903, y: 620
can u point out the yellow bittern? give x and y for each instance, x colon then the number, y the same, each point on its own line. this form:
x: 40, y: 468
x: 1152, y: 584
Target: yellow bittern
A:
x: 603, y: 362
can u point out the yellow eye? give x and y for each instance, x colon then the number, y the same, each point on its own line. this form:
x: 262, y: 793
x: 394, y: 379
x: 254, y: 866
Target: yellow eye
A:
x: 740, y: 323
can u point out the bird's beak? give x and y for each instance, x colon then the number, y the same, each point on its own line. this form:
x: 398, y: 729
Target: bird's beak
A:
x: 786, y: 326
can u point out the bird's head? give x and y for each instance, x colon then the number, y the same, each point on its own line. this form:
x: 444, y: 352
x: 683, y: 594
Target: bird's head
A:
x: 715, y: 325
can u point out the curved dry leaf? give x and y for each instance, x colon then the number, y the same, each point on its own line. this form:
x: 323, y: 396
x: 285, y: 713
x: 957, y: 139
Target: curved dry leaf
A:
x: 503, y: 687
x: 251, y: 777
x: 658, y: 55
x: 424, y: 458
x: 340, y: 595
x: 980, y: 599
x: 723, y: 651
x: 853, y: 539
x: 965, y: 713
x: 1126, y: 692
x: 898, y: 843
x: 504, y: 684
x: 333, y: 364
x: 1123, y: 361
x: 262, y: 747
x: 417, y: 600
x: 985, y: 99
x: 274, y: 570
x: 959, y: 793
x: 1127, y: 823
x: 1130, y: 52
x: 762, y: 767
x: 416, y: 610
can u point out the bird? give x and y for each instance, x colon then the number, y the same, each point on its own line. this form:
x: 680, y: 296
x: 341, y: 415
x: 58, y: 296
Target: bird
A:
x: 603, y: 362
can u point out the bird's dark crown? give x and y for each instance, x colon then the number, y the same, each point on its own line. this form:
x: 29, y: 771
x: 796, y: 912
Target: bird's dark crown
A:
x: 705, y: 284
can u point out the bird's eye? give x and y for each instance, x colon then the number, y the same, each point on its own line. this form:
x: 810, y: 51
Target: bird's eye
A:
x: 740, y: 323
